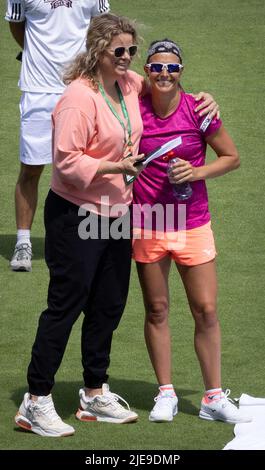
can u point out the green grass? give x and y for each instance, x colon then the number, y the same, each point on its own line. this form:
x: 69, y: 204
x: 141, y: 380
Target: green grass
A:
x: 223, y: 45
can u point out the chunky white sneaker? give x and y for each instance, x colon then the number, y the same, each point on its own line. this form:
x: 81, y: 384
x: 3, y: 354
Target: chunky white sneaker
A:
x: 166, y: 407
x: 40, y: 417
x: 21, y: 259
x: 223, y: 409
x: 105, y: 407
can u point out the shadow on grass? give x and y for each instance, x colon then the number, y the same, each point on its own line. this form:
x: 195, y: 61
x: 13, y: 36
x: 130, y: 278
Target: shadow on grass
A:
x: 138, y: 393
x: 7, y: 245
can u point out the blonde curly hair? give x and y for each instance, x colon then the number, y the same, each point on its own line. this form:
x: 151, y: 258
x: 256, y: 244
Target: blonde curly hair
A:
x: 100, y: 33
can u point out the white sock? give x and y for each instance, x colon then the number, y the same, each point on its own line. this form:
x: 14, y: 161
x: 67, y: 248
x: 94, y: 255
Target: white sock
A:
x: 213, y: 391
x: 23, y: 236
x: 167, y: 389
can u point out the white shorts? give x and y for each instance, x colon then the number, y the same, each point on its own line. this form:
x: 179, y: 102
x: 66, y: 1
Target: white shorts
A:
x: 36, y: 128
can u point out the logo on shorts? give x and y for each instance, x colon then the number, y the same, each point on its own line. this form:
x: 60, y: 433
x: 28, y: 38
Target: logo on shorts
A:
x: 208, y: 252
x: 59, y: 3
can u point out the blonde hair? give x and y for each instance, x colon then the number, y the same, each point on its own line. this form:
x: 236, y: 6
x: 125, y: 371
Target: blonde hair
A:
x: 102, y: 30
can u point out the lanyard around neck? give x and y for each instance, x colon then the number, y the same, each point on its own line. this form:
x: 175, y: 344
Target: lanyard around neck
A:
x: 124, y: 112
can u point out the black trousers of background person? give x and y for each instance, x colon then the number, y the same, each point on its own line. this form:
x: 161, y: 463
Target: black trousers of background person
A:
x: 85, y: 275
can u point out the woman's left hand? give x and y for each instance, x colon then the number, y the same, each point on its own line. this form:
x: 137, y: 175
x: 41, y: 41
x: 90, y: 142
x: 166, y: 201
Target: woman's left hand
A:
x: 182, y: 171
x: 208, y: 105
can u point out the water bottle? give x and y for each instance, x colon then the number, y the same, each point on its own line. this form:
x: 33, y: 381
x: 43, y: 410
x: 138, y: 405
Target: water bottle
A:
x: 182, y: 191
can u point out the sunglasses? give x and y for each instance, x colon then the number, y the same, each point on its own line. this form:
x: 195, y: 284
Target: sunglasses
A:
x: 120, y: 51
x: 157, y: 67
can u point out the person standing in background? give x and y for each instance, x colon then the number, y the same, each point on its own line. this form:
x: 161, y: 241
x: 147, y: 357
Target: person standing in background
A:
x: 51, y: 34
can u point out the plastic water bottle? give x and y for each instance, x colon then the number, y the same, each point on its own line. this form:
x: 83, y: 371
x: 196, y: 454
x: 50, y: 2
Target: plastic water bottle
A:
x: 182, y: 191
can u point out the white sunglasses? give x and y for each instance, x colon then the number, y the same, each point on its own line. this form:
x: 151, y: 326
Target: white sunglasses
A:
x: 157, y: 67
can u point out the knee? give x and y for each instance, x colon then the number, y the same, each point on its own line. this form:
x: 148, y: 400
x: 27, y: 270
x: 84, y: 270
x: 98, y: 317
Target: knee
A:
x: 205, y: 315
x: 157, y: 312
x: 30, y: 173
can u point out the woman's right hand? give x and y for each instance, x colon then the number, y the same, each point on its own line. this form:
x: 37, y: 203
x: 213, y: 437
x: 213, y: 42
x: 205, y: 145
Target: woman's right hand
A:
x: 125, y: 166
x: 128, y: 166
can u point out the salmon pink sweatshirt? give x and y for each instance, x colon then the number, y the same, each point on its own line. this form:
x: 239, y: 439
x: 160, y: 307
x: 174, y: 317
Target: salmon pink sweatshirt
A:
x: 86, y: 132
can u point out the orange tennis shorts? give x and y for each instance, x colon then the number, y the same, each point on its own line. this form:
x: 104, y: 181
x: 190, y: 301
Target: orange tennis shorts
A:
x: 186, y: 247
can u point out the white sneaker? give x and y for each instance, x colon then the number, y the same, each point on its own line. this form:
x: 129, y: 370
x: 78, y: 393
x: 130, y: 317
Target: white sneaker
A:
x: 223, y: 409
x: 165, y: 409
x: 21, y: 259
x: 105, y: 407
x: 40, y: 417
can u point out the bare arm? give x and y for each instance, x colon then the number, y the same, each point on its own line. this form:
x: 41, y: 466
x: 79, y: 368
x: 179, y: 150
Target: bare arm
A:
x: 228, y: 160
x: 226, y: 151
x: 18, y: 31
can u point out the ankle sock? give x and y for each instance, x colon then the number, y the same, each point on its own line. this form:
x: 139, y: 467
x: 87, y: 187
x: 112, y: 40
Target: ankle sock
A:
x: 167, y: 389
x: 212, y: 395
x: 23, y: 236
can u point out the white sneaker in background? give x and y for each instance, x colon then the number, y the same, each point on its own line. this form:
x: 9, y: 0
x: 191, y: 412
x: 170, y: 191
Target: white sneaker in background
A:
x: 40, y: 417
x: 166, y: 407
x: 223, y: 409
x: 21, y: 259
x: 105, y: 407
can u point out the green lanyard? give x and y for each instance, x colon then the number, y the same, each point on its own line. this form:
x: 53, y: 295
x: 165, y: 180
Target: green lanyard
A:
x: 124, y: 112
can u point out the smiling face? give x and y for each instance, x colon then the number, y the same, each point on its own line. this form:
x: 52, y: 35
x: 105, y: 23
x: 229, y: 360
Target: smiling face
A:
x: 166, y: 80
x: 115, y: 62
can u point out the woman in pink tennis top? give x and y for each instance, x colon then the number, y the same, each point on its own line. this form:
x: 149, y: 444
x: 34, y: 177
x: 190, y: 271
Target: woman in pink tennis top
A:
x: 167, y: 229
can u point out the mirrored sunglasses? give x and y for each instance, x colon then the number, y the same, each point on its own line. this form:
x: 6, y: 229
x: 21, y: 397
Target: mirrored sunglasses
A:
x: 120, y: 51
x: 157, y: 67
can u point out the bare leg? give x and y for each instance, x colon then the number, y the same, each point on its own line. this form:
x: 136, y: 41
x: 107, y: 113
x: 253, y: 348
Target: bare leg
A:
x: 200, y: 283
x: 154, y: 282
x: 26, y: 194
